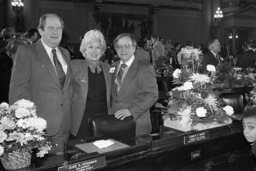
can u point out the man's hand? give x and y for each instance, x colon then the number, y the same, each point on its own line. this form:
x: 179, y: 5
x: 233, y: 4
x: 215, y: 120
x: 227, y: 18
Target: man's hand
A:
x: 123, y: 113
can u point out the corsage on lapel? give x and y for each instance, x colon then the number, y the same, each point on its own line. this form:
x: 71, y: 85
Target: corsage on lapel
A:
x: 82, y: 78
x: 112, y: 69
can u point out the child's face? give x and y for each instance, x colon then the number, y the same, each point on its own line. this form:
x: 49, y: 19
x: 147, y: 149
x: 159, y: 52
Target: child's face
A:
x: 249, y: 125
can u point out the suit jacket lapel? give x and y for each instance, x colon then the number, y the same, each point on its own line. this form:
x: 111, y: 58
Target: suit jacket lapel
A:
x: 46, y: 62
x: 68, y: 76
x: 83, y: 77
x: 114, y: 78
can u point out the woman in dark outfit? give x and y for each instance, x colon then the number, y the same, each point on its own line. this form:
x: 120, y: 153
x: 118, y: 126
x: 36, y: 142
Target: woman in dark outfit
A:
x: 91, y: 84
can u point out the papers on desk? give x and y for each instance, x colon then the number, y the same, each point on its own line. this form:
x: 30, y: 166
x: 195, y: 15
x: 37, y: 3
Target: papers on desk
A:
x: 101, y: 146
x: 103, y: 143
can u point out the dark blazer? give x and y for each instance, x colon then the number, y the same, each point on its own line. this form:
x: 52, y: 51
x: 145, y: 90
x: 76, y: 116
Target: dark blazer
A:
x: 138, y: 93
x: 246, y: 59
x: 79, y: 82
x: 34, y: 78
x: 209, y: 59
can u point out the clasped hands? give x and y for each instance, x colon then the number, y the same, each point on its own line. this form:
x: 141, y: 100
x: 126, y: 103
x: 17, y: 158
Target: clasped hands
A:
x: 123, y: 113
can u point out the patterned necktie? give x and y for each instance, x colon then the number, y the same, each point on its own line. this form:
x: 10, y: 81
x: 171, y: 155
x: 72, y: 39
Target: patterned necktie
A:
x: 119, y: 76
x: 60, y: 73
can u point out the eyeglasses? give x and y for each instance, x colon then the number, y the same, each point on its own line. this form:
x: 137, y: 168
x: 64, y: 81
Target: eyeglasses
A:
x: 50, y: 28
x: 125, y: 46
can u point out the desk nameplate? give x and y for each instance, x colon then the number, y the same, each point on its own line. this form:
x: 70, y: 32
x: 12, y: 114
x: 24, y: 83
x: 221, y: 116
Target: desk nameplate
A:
x: 86, y: 165
x: 197, y: 137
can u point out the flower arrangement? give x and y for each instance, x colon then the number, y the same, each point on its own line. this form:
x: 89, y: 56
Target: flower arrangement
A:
x: 194, y: 101
x: 228, y: 76
x: 21, y: 129
x: 163, y: 67
x: 190, y: 57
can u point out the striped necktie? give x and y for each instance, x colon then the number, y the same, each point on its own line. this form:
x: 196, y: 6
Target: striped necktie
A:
x: 60, y: 73
x: 119, y: 76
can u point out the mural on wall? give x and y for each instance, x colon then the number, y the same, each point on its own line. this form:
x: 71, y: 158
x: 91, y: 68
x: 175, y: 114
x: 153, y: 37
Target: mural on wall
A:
x: 112, y: 24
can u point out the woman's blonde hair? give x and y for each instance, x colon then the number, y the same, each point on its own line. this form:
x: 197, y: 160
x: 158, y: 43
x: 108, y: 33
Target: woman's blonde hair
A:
x: 93, y: 35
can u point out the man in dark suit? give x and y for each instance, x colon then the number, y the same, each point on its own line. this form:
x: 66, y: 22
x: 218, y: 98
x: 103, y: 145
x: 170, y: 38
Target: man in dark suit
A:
x: 211, y: 57
x: 41, y: 74
x: 134, y: 88
x: 247, y: 59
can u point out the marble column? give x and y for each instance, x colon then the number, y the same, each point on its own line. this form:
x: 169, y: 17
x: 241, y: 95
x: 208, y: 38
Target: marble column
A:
x: 154, y: 13
x: 206, y: 20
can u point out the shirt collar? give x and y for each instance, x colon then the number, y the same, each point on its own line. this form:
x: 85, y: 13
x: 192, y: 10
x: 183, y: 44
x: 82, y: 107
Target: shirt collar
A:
x: 214, y: 53
x: 48, y: 48
x: 129, y: 62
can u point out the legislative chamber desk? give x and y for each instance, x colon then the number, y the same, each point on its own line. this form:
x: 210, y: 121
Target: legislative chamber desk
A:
x: 222, y: 148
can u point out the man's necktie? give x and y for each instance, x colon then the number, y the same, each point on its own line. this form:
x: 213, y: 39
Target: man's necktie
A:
x: 218, y: 58
x: 60, y: 73
x: 119, y: 76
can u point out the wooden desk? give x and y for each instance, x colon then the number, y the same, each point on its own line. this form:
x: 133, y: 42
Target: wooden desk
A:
x: 222, y: 148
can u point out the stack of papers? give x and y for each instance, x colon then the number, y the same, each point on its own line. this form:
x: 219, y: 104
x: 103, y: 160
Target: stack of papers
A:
x: 103, y: 143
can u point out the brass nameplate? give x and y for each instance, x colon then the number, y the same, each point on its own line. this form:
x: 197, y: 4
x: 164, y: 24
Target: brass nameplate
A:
x: 85, y: 165
x: 188, y: 139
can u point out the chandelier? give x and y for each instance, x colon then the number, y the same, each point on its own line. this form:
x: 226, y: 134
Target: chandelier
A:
x: 218, y: 15
x: 17, y: 5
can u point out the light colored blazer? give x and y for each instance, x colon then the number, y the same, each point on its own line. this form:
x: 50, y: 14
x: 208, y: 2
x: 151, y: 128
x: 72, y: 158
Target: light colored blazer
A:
x: 34, y: 78
x: 158, y: 51
x: 79, y: 82
x: 137, y: 93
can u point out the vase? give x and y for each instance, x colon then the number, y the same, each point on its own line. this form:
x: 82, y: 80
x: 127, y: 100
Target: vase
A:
x: 16, y: 160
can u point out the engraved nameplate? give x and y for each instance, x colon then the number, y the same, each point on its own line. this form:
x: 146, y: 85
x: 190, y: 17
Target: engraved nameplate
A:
x: 188, y: 139
x: 195, y: 154
x: 85, y: 165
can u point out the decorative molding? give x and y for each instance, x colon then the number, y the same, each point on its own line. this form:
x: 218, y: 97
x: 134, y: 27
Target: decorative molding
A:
x: 193, y: 4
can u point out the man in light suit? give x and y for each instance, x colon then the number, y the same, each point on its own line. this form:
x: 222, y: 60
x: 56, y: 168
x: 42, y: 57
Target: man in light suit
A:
x: 42, y: 75
x: 211, y: 57
x: 158, y: 49
x: 138, y: 90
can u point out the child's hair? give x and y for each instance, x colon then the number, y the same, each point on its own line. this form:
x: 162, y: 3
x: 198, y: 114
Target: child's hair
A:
x: 249, y: 112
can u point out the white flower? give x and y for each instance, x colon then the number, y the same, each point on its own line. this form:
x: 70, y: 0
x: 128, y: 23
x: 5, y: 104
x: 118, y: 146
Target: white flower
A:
x: 112, y: 69
x: 4, y: 105
x: 38, y: 123
x: 184, y: 116
x: 23, y: 123
x: 1, y: 150
x: 211, y: 68
x: 212, y: 102
x: 188, y: 85
x: 29, y: 136
x: 3, y: 136
x: 229, y: 110
x: 200, y: 78
x: 176, y: 73
x: 23, y: 103
x: 18, y: 137
x: 43, y: 150
x: 201, y: 112
x: 8, y: 124
x: 21, y: 113
x: 237, y: 68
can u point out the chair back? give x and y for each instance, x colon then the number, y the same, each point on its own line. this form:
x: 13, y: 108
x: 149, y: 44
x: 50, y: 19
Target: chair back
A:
x: 236, y: 100
x: 110, y: 127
